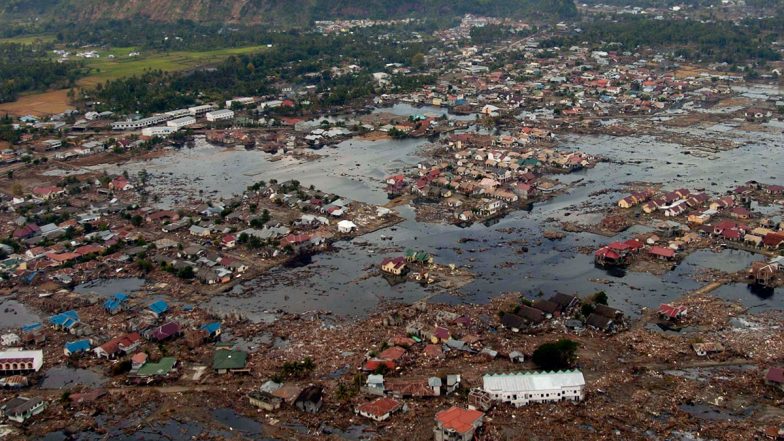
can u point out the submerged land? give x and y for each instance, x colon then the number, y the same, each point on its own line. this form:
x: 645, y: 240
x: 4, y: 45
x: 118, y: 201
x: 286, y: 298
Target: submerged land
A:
x: 522, y: 231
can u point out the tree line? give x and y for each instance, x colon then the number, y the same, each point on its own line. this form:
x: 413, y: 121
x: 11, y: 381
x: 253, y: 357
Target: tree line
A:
x: 25, y: 68
x: 716, y: 41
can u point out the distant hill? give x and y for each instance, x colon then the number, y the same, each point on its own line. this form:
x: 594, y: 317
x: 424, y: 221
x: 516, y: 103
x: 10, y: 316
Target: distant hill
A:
x: 276, y: 11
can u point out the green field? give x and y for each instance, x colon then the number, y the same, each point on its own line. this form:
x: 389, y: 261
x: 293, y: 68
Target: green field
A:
x: 106, y: 68
x: 28, y: 39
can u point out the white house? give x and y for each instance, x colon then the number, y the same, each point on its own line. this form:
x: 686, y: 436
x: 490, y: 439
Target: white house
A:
x: 179, y: 123
x: 19, y: 409
x: 52, y: 144
x: 199, y: 231
x: 346, y: 226
x: 201, y: 110
x: 242, y: 100
x: 522, y: 388
x: 161, y: 131
x: 490, y: 110
x: 220, y: 115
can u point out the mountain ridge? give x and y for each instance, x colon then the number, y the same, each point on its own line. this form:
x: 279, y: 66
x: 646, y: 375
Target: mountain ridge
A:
x: 275, y: 11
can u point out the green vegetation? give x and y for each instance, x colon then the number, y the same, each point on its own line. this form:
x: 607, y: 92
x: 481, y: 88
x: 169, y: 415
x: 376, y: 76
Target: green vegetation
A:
x: 121, y: 368
x: 589, y: 306
x: 556, y: 356
x: 282, y: 13
x: 122, y: 65
x: 7, y: 132
x: 28, y: 39
x: 693, y: 40
x: 25, y: 68
x: 347, y: 390
x: 295, y: 370
x: 300, y: 58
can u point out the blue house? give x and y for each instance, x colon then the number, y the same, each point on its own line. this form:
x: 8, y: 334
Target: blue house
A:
x: 66, y: 321
x: 213, y: 329
x: 76, y: 347
x: 116, y: 303
x: 31, y: 327
x: 158, y: 308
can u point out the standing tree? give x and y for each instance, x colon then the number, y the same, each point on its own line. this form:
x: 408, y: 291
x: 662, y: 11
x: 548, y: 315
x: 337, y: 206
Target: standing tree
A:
x: 556, y: 356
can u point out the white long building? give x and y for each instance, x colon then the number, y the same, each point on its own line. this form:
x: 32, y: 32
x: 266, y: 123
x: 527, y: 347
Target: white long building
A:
x: 20, y: 362
x: 201, y: 110
x: 162, y: 131
x: 140, y: 123
x: 178, y: 113
x: 220, y: 115
x: 179, y: 123
x: 522, y: 388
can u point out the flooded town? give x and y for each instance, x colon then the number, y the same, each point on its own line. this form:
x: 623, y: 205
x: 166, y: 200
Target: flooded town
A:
x: 527, y: 231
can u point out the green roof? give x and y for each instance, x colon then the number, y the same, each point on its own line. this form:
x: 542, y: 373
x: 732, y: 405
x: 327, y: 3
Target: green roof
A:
x: 162, y: 367
x: 529, y: 161
x: 229, y: 359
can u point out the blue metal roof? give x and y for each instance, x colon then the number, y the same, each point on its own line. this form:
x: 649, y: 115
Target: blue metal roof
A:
x: 78, y: 346
x: 66, y: 319
x: 29, y: 277
x: 159, y: 307
x: 115, y: 302
x: 211, y: 327
x: 30, y: 327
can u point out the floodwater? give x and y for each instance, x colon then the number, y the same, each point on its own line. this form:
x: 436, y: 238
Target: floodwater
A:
x: 753, y: 297
x: 245, y: 427
x: 159, y: 431
x: 64, y: 377
x: 406, y: 110
x: 727, y: 260
x: 14, y: 314
x: 510, y: 255
x: 355, y: 168
x: 338, y: 281
x: 710, y: 412
x: 105, y: 288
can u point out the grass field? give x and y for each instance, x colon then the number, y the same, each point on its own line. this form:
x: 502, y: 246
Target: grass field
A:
x: 106, y: 68
x: 38, y: 104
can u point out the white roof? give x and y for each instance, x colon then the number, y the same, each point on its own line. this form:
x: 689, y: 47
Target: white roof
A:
x: 37, y: 356
x: 532, y: 381
x: 182, y: 120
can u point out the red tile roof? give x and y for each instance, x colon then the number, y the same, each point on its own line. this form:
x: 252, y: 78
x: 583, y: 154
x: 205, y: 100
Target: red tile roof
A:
x: 607, y: 253
x: 46, y: 191
x: 433, y: 351
x: 661, y: 251
x: 633, y: 244
x: 372, y: 365
x: 773, y: 239
x: 618, y: 246
x: 459, y: 420
x: 393, y: 353
x: 380, y: 407
x: 671, y: 311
